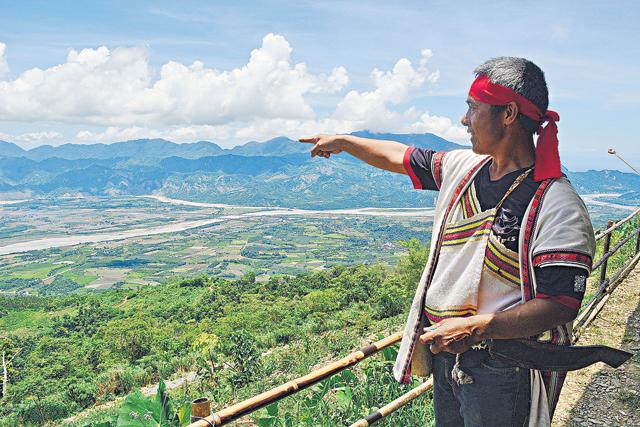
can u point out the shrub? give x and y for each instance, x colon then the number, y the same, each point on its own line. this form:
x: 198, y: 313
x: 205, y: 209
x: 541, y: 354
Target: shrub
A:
x: 243, y: 355
x: 323, y: 301
x: 40, y: 411
x: 390, y: 300
x: 118, y: 380
x: 82, y: 393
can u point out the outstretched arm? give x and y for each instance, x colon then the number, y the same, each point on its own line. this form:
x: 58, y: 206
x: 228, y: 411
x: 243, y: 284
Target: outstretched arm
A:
x: 387, y: 155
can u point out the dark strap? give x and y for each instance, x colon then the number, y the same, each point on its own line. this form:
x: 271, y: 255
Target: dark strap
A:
x: 549, y: 357
x: 516, y: 183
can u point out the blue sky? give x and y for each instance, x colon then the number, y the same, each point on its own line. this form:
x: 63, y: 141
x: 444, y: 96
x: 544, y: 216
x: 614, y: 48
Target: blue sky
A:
x: 106, y: 71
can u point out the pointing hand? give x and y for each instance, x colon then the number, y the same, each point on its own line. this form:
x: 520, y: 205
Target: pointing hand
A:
x: 324, y: 145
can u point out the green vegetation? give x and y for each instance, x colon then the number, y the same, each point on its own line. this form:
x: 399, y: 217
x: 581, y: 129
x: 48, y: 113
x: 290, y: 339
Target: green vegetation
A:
x: 240, y: 337
x: 240, y: 307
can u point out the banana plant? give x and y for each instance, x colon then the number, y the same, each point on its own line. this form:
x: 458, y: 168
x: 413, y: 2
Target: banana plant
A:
x: 141, y: 411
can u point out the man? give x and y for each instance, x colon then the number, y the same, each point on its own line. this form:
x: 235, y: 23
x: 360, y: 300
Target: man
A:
x: 511, y: 250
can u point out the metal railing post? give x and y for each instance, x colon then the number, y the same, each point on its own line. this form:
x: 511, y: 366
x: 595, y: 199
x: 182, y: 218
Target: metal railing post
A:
x: 607, y: 244
x: 638, y: 243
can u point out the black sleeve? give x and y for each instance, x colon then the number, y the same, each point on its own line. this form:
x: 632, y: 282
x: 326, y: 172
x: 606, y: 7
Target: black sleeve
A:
x: 565, y: 285
x: 417, y: 162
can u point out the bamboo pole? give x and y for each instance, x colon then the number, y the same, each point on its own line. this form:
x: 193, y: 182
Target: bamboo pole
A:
x: 618, y: 245
x: 607, y: 243
x: 263, y: 399
x: 5, y: 372
x: 610, y: 229
x: 578, y: 332
x: 621, y: 274
x: 393, y: 406
x: 200, y: 408
x: 586, y: 309
x: 5, y: 376
x: 610, y: 286
x: 581, y: 324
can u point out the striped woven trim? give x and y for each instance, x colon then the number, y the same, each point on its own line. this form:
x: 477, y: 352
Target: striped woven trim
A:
x: 469, y: 203
x: 531, y: 223
x: 503, y: 263
x: 553, y: 380
x: 563, y: 257
x: 475, y: 230
x: 406, y: 368
x: 436, y: 315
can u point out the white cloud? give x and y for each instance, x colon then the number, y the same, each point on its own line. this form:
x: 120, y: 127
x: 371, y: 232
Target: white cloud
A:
x: 391, y: 87
x: 4, y: 66
x: 116, y: 90
x: 39, y: 136
x: 34, y: 139
x: 115, y: 87
x: 371, y: 110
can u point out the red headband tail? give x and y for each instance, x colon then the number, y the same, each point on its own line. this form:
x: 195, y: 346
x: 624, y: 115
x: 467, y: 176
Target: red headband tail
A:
x: 547, y: 156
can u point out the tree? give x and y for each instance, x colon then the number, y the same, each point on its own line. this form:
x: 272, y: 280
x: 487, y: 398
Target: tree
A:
x: 410, y: 267
x: 243, y: 356
x: 130, y: 337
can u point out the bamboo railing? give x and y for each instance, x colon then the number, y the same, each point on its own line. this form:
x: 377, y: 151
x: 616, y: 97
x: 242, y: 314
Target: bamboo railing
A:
x: 590, y: 310
x: 263, y: 399
x: 607, y: 284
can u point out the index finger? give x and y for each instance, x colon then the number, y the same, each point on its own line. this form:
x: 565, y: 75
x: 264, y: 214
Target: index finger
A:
x: 309, y: 139
x: 428, y: 337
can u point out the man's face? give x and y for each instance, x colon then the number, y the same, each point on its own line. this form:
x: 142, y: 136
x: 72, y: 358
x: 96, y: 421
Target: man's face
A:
x: 483, y: 125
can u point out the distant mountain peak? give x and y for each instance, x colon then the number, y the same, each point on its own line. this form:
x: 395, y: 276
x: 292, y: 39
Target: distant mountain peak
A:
x: 149, y: 149
x: 9, y: 149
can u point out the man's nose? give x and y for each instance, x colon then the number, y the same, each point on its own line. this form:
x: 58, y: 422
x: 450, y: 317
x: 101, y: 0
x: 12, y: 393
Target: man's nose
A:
x: 464, y: 120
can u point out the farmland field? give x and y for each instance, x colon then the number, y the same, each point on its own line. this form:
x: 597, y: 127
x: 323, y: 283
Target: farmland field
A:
x: 64, y: 245
x: 231, y: 241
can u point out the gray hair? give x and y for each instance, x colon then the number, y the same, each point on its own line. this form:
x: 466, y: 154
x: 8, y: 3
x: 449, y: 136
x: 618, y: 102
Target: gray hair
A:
x: 523, y: 77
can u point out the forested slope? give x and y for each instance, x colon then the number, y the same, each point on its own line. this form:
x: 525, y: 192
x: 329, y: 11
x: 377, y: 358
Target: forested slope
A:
x: 240, y: 336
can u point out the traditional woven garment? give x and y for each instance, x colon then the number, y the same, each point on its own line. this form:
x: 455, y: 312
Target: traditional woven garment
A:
x: 556, y: 230
x: 475, y: 273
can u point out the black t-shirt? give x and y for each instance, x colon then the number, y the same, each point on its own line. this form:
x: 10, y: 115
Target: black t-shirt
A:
x: 561, y: 283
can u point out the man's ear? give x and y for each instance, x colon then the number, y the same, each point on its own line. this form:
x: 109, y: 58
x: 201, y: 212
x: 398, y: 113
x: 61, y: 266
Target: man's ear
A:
x: 510, y: 113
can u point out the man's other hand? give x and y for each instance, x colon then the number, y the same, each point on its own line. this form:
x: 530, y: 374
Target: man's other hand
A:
x: 453, y: 335
x: 324, y: 145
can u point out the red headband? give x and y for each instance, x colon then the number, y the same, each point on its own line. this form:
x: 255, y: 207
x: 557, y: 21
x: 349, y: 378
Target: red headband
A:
x: 547, y: 157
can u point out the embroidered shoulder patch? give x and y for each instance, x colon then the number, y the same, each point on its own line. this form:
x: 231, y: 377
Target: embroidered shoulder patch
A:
x: 579, y: 283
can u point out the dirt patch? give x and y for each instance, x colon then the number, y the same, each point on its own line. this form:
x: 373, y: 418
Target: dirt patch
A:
x: 107, y: 277
x: 600, y: 395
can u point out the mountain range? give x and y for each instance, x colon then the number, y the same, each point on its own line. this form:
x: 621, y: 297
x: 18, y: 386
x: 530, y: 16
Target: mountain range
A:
x: 278, y: 172
x: 160, y: 148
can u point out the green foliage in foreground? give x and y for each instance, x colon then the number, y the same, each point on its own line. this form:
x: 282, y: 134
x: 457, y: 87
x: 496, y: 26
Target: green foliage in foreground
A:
x: 349, y: 396
x: 241, y: 337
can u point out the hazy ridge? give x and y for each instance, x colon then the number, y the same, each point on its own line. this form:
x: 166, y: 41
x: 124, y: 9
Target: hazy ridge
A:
x: 277, y: 172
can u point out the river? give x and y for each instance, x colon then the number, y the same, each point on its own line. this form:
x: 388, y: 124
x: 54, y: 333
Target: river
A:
x: 62, y: 241
x: 57, y: 242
